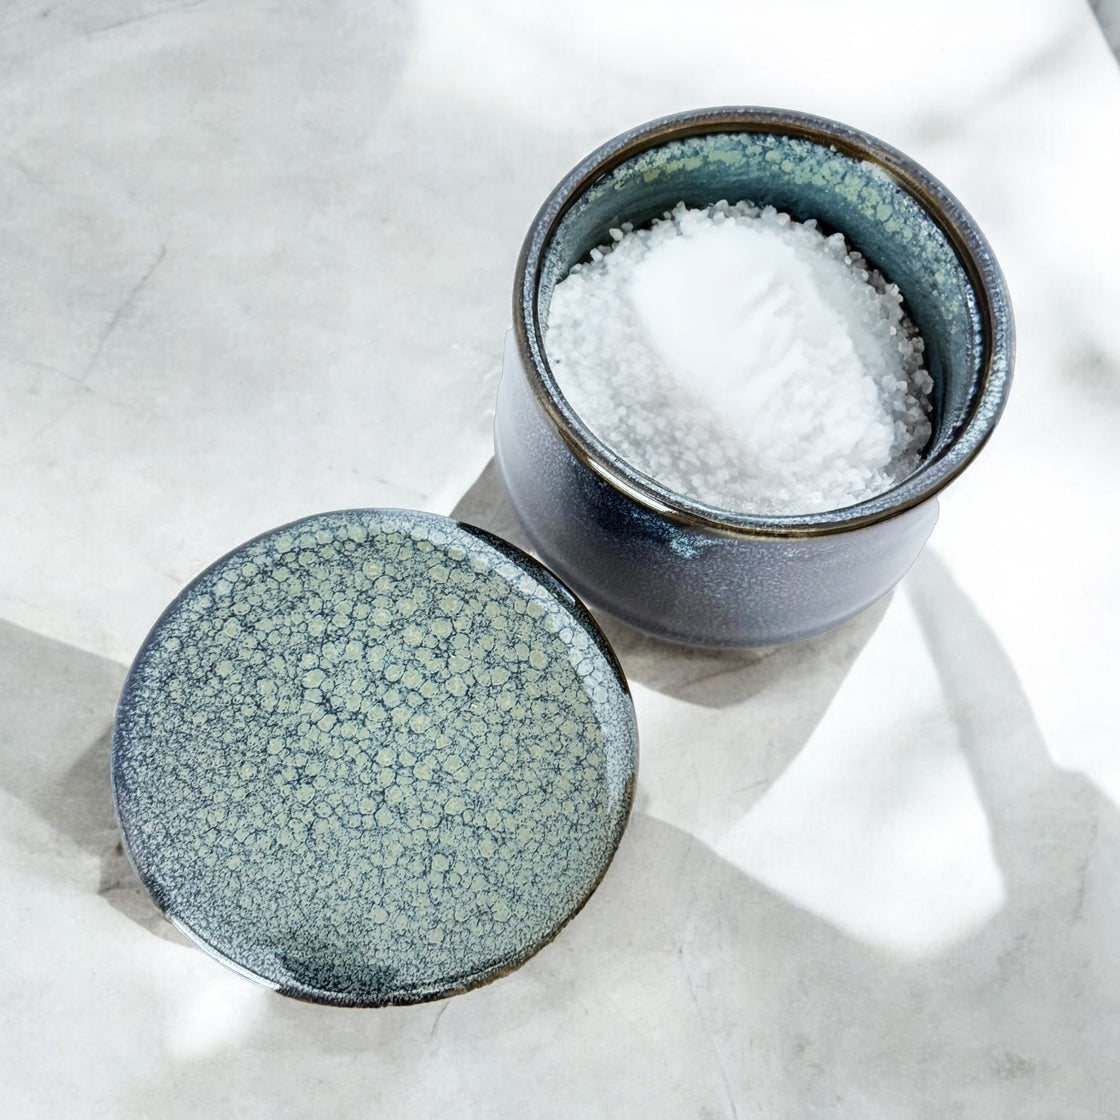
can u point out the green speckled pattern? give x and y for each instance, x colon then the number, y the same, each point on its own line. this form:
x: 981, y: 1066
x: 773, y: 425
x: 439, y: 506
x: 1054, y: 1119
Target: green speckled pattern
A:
x: 373, y: 757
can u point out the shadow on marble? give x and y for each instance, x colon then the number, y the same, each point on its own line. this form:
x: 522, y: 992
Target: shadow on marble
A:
x: 709, y: 984
x: 685, y: 962
x: 1056, y: 836
x: 707, y: 677
x: 55, y: 741
x: 1108, y: 16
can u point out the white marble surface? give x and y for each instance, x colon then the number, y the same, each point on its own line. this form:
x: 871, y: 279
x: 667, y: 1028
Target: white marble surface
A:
x: 256, y: 260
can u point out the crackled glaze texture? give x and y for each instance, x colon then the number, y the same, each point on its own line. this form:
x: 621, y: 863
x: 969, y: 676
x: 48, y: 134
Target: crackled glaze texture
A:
x: 373, y: 757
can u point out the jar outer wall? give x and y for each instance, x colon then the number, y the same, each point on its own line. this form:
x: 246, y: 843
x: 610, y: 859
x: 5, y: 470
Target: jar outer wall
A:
x: 680, y: 583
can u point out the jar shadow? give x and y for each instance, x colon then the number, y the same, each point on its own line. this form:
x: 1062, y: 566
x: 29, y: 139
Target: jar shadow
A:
x: 55, y: 748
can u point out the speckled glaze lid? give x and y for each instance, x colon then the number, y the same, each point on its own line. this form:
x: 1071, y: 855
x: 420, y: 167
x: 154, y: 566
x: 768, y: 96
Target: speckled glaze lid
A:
x: 373, y: 757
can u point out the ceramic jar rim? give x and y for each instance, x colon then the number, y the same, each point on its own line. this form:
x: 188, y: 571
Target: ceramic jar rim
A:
x: 969, y: 245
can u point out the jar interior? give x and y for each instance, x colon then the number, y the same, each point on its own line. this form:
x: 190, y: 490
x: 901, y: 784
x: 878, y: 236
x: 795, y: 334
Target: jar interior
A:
x: 859, y: 197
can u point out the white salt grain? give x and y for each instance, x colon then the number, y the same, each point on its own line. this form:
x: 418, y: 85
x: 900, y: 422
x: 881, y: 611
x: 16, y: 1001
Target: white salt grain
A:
x: 744, y: 360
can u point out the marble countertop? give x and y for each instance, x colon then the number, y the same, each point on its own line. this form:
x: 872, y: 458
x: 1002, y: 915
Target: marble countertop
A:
x: 256, y: 262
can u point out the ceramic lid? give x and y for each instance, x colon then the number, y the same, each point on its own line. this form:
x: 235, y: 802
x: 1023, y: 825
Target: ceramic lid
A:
x: 373, y: 757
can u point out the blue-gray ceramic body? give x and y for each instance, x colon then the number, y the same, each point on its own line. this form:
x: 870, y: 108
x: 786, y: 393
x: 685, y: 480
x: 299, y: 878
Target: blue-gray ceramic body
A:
x: 669, y: 564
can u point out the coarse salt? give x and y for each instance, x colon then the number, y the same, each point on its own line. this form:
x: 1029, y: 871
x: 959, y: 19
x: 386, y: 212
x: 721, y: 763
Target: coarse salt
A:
x: 744, y: 360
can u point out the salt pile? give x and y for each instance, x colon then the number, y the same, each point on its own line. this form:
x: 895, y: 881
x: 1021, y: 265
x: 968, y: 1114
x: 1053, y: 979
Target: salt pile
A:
x: 743, y: 359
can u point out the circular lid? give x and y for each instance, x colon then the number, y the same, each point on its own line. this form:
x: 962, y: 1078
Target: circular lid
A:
x: 373, y: 757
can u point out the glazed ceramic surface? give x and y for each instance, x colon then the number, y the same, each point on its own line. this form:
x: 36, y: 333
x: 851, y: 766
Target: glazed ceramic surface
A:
x: 373, y: 757
x: 675, y: 566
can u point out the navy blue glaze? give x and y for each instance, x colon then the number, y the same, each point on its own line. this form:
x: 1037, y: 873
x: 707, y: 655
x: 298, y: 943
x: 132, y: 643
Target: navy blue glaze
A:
x: 373, y: 757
